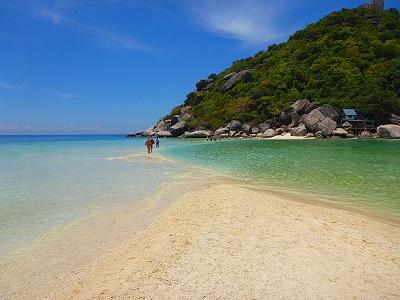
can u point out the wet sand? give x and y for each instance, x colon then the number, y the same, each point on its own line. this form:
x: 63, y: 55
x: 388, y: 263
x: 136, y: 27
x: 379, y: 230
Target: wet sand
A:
x: 228, y: 241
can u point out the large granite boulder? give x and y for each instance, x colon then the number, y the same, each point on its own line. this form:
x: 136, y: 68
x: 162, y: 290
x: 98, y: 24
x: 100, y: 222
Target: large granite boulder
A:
x: 295, y: 117
x: 175, y: 119
x: 329, y: 112
x: 178, y: 129
x: 232, y: 133
x: 347, y: 125
x: 389, y: 131
x: 197, y: 134
x: 269, y: 133
x: 285, y: 117
x: 163, y: 133
x: 186, y: 117
x: 233, y: 80
x: 340, y: 132
x: 300, y: 105
x: 255, y: 130
x: 246, y: 128
x: 263, y: 127
x: 162, y: 126
x: 148, y: 132
x: 301, y: 130
x: 327, y: 126
x: 235, y: 125
x: 310, y: 107
x: 309, y: 135
x: 312, y: 120
x: 319, y: 135
x: 221, y: 131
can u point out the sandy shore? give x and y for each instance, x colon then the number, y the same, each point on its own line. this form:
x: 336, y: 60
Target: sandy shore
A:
x: 227, y: 241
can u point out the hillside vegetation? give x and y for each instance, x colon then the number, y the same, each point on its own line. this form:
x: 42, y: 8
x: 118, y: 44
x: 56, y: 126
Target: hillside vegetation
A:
x: 349, y: 59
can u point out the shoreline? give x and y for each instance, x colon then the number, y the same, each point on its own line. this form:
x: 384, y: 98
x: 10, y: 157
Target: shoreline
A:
x: 67, y: 283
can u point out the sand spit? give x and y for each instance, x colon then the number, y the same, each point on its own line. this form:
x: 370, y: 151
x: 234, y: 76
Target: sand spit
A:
x: 231, y: 242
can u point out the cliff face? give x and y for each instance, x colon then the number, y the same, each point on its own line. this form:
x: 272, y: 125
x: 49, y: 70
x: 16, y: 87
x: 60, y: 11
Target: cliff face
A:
x: 349, y: 59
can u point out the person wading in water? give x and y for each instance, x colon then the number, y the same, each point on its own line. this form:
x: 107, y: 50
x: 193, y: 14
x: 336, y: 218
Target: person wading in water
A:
x: 157, y: 142
x: 149, y: 144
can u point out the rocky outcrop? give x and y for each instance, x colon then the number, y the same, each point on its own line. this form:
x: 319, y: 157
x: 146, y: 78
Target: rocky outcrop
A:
x: 340, y: 132
x: 301, y: 130
x: 300, y: 106
x: 246, y: 128
x: 375, y: 4
x: 312, y: 120
x: 269, y: 133
x: 186, y: 117
x: 149, y: 132
x: 221, y: 131
x: 329, y: 112
x: 233, y: 80
x: 197, y: 134
x: 163, y: 134
x: 175, y: 119
x: 263, y: 127
x: 178, y: 129
x: 235, y: 125
x: 162, y: 126
x: 327, y: 126
x: 311, y: 107
x: 284, y: 118
x: 389, y: 131
x: 255, y: 130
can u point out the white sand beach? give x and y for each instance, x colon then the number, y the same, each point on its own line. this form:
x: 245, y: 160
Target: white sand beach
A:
x: 227, y: 241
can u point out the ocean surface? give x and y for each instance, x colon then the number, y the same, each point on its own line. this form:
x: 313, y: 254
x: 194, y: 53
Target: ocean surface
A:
x: 48, y: 181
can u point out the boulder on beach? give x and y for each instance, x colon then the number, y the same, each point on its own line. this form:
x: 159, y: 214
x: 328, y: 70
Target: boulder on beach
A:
x: 340, y: 132
x: 295, y: 118
x: 163, y: 133
x: 263, y: 127
x: 178, y: 129
x: 246, y: 128
x: 327, y: 126
x: 285, y: 118
x: 224, y: 135
x: 329, y: 112
x: 347, y: 125
x: 299, y: 106
x: 319, y: 135
x: 310, y: 107
x: 221, y: 131
x: 197, y: 134
x: 309, y: 135
x: 255, y: 130
x: 269, y: 133
x: 366, y: 134
x: 312, y: 120
x: 300, y: 130
x: 389, y: 131
x: 234, y: 125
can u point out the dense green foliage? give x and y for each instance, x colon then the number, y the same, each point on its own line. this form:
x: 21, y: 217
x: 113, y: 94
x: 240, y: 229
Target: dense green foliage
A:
x: 348, y: 59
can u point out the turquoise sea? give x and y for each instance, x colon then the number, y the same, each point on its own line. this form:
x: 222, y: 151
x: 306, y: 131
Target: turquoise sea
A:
x: 46, y: 181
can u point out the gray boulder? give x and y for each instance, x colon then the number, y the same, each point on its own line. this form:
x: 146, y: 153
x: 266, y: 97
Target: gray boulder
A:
x: 238, y: 134
x: 175, y: 119
x: 327, y: 126
x: 197, y: 134
x: 255, y: 130
x: 300, y: 105
x: 280, y: 130
x: 301, y: 130
x: 340, y: 132
x: 295, y: 117
x: 246, y: 128
x: 162, y: 126
x: 235, y: 125
x: 148, y: 132
x: 366, y: 134
x: 309, y: 135
x: 319, y: 135
x: 389, y: 131
x: 224, y: 135
x: 269, y: 133
x: 186, y: 117
x: 178, y: 129
x: 310, y: 107
x: 285, y: 117
x: 329, y: 112
x: 232, y: 133
x: 263, y: 127
x: 163, y: 133
x: 201, y: 85
x: 221, y: 131
x: 233, y: 80
x: 312, y: 120
x: 229, y: 76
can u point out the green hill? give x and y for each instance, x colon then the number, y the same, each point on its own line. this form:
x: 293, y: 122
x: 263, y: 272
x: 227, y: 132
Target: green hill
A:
x: 349, y: 59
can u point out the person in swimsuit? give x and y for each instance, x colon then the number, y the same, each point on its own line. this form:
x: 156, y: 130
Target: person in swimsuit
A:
x: 149, y: 144
x: 157, y: 142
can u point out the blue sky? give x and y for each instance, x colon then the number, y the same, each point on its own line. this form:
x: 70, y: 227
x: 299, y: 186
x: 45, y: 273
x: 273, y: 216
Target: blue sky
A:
x: 117, y: 66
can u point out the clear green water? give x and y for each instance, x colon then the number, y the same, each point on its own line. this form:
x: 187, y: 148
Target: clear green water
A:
x: 361, y: 174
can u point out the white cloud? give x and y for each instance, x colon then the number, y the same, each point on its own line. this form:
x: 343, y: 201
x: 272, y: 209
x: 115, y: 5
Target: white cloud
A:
x: 57, y: 14
x: 7, y: 86
x: 251, y: 21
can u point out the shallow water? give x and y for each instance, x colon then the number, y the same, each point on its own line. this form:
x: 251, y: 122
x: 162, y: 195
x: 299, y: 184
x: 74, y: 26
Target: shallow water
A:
x: 360, y: 174
x: 47, y: 181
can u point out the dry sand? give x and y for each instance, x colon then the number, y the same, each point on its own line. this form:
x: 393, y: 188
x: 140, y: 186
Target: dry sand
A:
x: 227, y: 241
